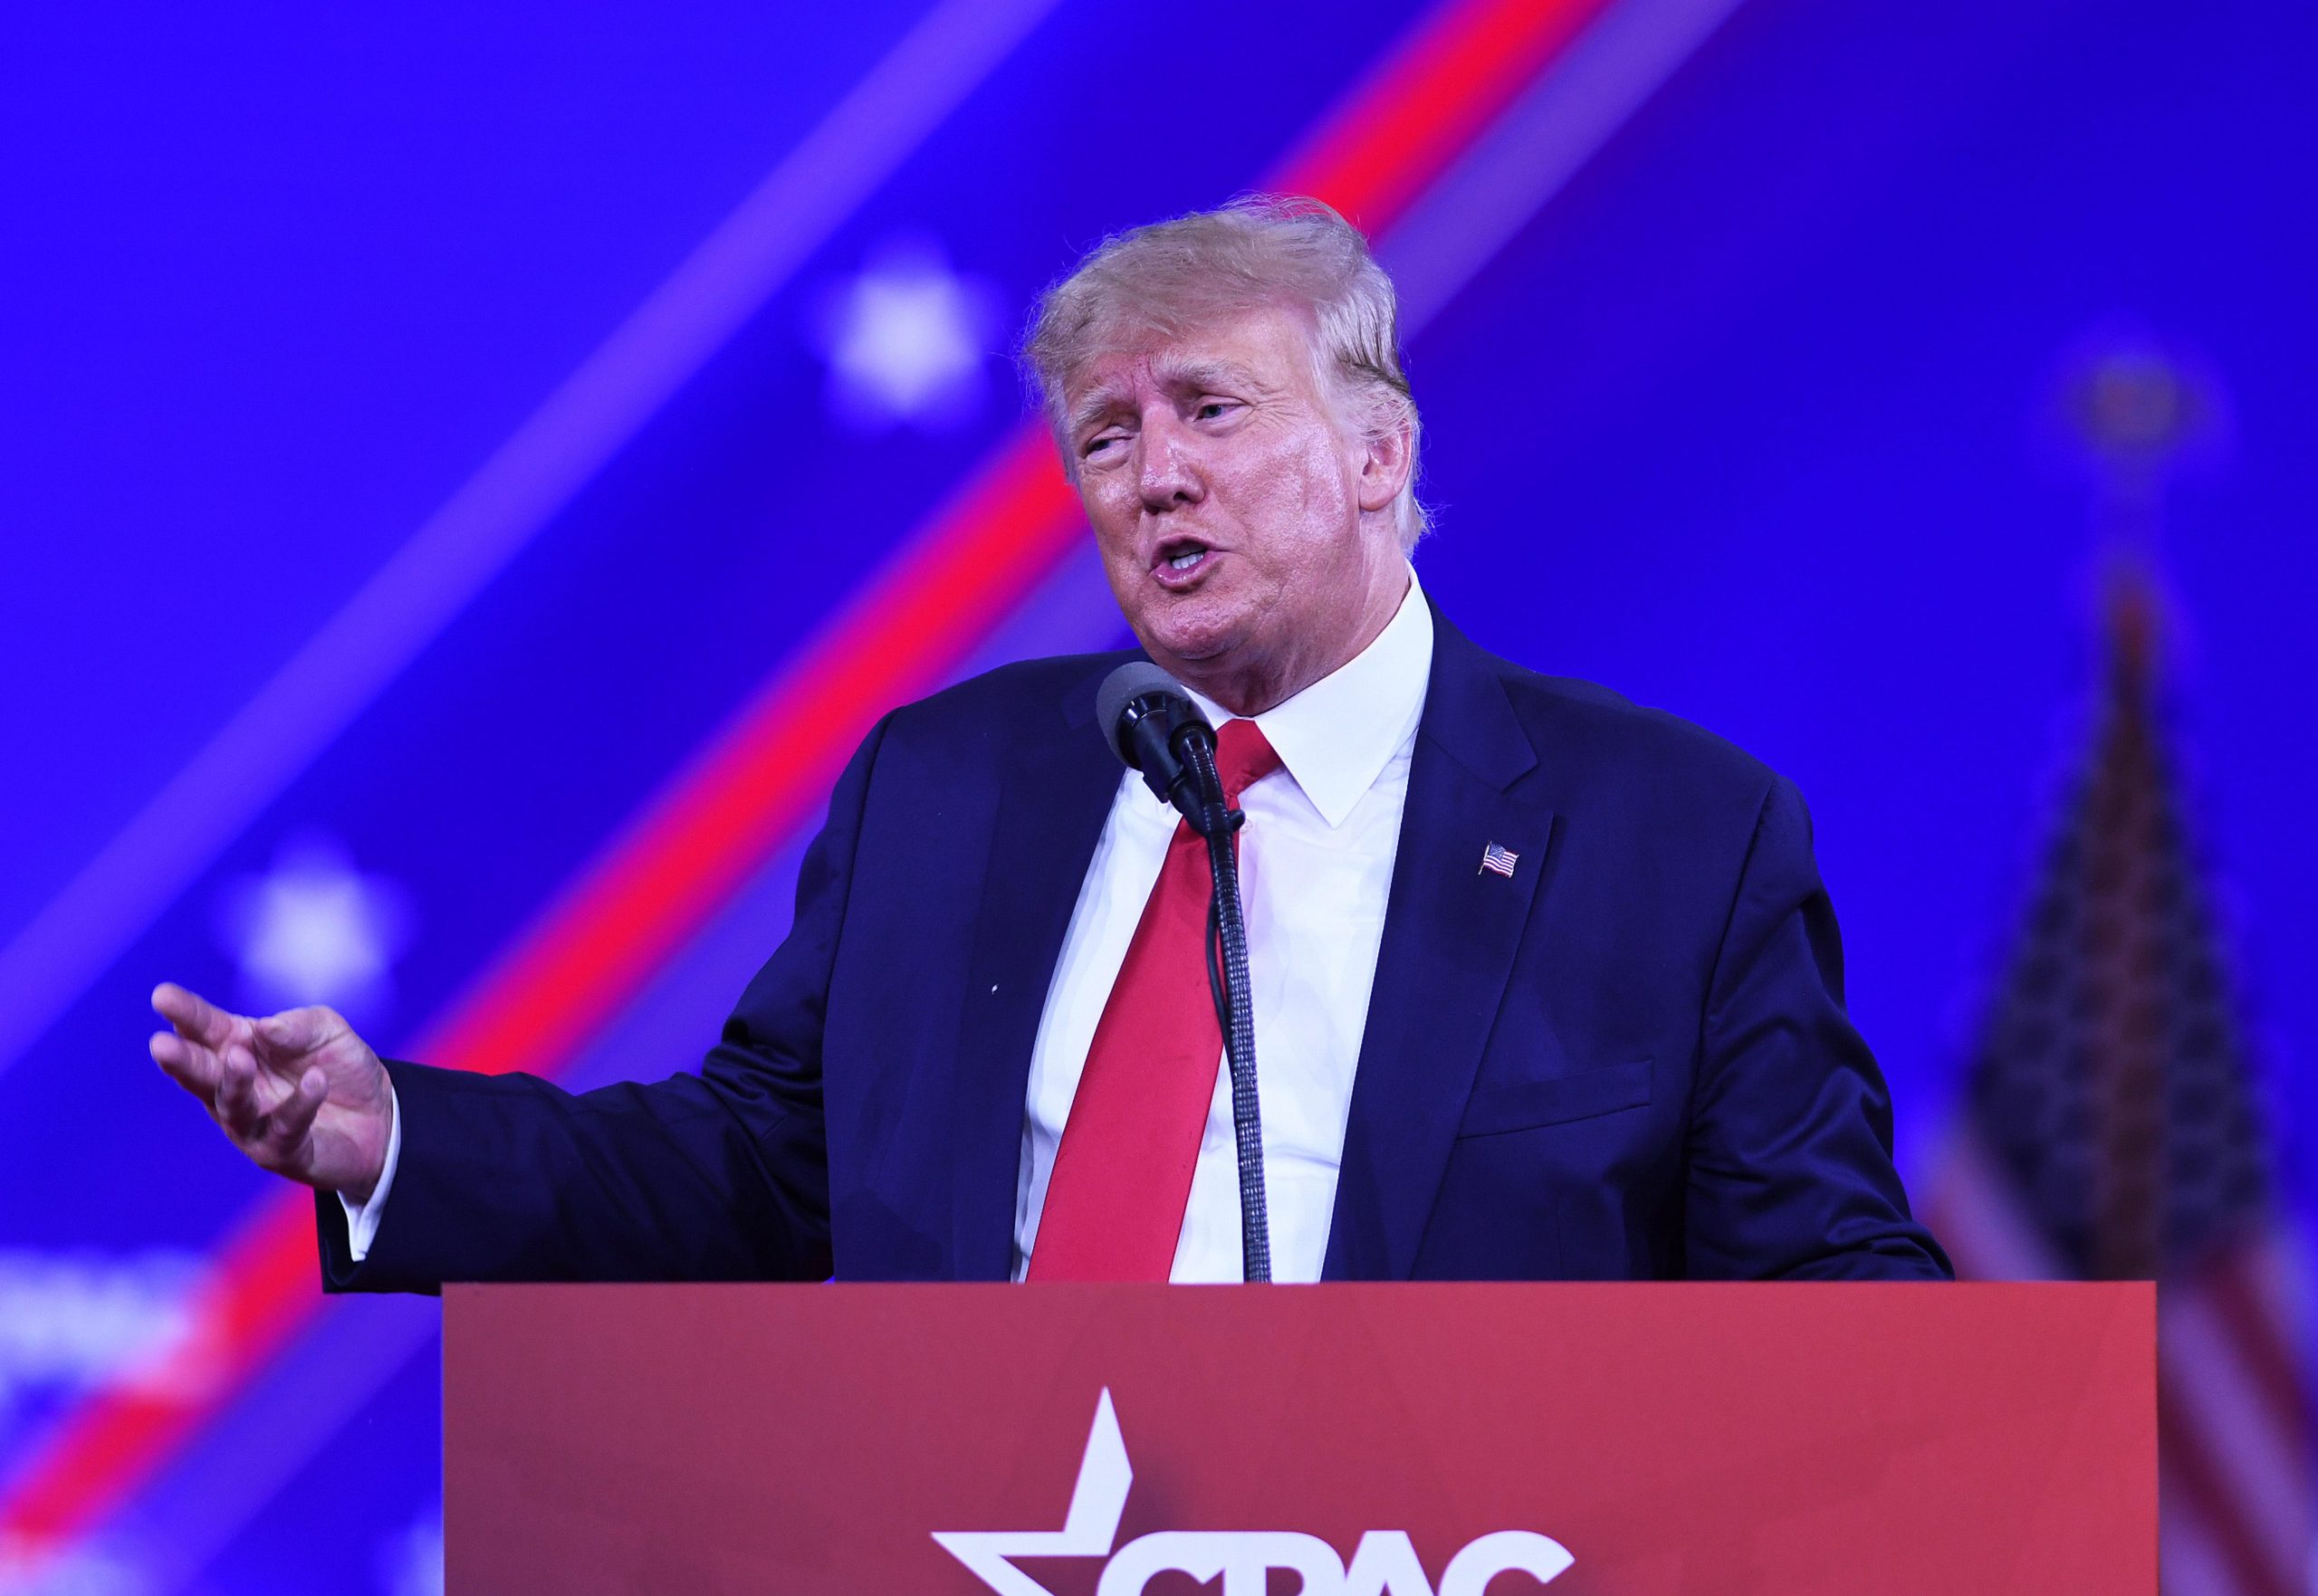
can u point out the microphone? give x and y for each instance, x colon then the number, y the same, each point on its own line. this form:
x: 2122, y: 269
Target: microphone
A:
x: 1151, y: 724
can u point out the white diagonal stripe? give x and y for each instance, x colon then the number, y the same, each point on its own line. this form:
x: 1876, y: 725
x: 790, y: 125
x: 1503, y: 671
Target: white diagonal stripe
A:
x: 1972, y: 1213
x: 2252, y: 1444
x: 2191, y: 1564
x: 409, y: 601
x: 1538, y: 145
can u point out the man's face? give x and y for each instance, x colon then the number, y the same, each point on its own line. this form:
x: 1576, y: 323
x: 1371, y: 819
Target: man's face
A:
x: 1247, y: 534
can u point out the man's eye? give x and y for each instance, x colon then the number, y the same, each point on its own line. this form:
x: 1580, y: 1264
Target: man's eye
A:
x: 1096, y: 446
x: 1213, y: 409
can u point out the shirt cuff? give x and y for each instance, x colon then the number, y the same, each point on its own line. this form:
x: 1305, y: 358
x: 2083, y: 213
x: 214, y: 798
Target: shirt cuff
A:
x: 362, y: 1223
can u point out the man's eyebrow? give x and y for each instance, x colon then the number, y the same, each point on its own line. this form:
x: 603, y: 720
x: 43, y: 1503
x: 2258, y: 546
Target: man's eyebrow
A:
x: 1096, y: 404
x: 1207, y: 374
x: 1190, y: 376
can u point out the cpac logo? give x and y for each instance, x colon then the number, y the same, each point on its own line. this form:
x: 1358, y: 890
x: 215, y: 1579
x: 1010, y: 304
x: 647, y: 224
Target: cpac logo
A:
x: 1383, y: 1564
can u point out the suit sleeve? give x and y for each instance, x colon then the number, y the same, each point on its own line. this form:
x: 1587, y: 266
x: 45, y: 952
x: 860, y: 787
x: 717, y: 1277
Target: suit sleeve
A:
x: 718, y: 1176
x: 1791, y: 1174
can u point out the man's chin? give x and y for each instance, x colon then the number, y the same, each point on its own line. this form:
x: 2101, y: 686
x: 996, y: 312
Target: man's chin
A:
x: 1193, y: 630
x: 1192, y: 649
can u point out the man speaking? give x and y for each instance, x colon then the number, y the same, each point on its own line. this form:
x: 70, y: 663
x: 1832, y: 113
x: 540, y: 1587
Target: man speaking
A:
x: 1544, y: 985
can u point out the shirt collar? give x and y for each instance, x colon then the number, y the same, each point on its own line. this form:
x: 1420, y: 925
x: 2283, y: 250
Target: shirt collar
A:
x: 1336, y: 736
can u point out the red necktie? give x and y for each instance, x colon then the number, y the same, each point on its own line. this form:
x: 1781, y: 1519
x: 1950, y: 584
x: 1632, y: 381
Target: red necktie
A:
x: 1123, y: 1175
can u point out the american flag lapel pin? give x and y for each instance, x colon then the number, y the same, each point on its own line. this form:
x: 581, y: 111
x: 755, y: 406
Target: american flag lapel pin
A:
x: 1502, y: 860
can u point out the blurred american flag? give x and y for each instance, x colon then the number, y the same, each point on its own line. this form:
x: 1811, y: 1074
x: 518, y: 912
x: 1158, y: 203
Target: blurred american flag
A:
x: 2112, y: 1129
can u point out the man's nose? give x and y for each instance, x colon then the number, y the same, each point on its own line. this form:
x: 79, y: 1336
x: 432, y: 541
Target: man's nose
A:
x: 1166, y: 475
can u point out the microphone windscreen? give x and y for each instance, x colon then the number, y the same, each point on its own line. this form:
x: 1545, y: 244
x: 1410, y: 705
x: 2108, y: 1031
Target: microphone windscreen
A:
x: 1136, y: 679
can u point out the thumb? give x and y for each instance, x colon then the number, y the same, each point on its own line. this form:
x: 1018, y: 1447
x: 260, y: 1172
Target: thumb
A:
x: 296, y: 1031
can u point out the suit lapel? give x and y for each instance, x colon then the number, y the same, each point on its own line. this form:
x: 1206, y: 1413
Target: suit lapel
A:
x: 1451, y: 932
x: 1054, y: 797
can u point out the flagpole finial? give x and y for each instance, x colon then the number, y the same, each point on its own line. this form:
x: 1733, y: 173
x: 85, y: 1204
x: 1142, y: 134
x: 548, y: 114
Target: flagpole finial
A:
x: 2136, y: 406
x: 2141, y: 411
x: 2132, y: 619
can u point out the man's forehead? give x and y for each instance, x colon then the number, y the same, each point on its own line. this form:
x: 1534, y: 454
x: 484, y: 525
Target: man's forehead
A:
x: 1118, y: 375
x: 1259, y: 347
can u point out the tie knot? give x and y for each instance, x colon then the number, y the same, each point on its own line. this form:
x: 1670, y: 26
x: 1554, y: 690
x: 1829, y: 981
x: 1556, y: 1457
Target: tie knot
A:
x: 1243, y: 756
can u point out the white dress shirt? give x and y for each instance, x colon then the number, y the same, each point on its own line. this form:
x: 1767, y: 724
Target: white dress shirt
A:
x: 1316, y: 868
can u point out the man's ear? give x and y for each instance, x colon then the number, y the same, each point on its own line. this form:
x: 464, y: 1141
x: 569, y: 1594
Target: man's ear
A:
x: 1384, y: 466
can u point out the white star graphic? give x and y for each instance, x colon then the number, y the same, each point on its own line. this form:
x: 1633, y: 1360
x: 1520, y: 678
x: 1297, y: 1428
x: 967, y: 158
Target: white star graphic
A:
x: 1088, y: 1528
x: 314, y: 930
x: 1385, y: 1563
x: 906, y: 340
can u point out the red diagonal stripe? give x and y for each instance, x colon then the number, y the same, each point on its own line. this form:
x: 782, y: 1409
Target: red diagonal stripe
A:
x: 589, y: 953
x: 1427, y: 101
x: 260, y: 1289
x: 2231, y: 1283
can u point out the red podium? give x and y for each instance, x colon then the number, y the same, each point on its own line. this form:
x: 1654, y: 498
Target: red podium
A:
x: 1372, y: 1440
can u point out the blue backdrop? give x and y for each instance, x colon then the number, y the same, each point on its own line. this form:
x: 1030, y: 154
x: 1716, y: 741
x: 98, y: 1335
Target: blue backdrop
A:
x: 1745, y: 364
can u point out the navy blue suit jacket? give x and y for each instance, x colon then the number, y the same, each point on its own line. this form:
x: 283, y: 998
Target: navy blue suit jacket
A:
x: 1631, y: 1060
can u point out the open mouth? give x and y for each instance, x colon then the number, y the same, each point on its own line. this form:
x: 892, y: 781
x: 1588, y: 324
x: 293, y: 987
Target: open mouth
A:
x: 1179, y: 560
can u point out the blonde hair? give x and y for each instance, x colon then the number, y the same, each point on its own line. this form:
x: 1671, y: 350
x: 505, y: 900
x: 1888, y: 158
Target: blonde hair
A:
x: 1190, y: 272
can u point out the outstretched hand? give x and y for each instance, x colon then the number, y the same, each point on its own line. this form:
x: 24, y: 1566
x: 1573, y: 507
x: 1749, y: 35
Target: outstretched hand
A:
x: 298, y: 1092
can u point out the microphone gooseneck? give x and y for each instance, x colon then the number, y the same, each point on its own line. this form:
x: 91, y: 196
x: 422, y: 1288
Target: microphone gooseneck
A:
x: 1226, y: 980
x: 1151, y: 724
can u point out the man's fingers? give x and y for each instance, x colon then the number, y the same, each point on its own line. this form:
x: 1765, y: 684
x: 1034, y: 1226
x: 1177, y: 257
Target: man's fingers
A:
x: 287, y: 1125
x: 194, y: 1016
x: 235, y: 1099
x: 216, y: 1057
x: 188, y: 1063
